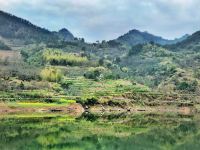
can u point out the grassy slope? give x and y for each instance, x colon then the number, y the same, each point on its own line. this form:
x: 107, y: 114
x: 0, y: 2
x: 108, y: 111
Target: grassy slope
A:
x: 153, y: 67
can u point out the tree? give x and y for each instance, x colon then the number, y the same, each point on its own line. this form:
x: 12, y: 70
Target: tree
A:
x: 6, y: 61
x: 82, y: 40
x: 22, y: 87
x: 117, y: 60
x: 135, y: 50
x: 84, y: 48
x: 51, y: 74
x: 101, y: 61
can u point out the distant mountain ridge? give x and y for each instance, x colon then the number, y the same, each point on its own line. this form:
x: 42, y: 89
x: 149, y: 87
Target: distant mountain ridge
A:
x: 12, y: 27
x: 15, y: 30
x: 184, y: 37
x: 192, y: 42
x: 134, y: 37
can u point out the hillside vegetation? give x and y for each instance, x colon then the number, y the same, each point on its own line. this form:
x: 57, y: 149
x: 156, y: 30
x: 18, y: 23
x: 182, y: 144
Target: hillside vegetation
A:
x: 132, y: 70
x: 134, y: 37
x: 18, y: 32
x: 3, y: 46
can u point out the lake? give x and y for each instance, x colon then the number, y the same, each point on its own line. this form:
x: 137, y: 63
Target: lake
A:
x: 141, y: 131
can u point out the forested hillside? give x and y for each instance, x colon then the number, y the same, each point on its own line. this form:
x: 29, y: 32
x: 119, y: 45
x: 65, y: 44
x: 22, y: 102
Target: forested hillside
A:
x: 134, y: 37
x: 134, y: 69
x: 17, y: 31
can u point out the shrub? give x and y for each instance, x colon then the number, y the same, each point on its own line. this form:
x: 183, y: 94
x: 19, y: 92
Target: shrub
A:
x: 4, y: 46
x: 117, y: 60
x: 112, y: 76
x: 124, y: 69
x: 21, y: 71
x: 101, y: 61
x: 66, y: 84
x: 51, y: 74
x: 90, y: 101
x: 186, y: 86
x: 95, y: 73
x: 197, y: 74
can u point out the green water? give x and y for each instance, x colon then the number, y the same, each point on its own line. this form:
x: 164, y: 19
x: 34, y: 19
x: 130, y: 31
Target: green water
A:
x: 109, y: 132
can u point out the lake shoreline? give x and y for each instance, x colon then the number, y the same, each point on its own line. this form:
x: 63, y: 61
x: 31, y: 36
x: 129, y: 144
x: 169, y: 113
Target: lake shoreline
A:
x: 71, y: 109
x: 77, y: 109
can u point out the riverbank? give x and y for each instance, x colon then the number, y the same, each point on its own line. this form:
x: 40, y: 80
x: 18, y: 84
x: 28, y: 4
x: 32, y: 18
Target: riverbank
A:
x: 98, y: 109
x: 76, y: 109
x: 73, y: 109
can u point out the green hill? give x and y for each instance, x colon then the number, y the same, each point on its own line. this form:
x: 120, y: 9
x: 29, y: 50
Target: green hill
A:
x: 134, y: 69
x: 134, y: 37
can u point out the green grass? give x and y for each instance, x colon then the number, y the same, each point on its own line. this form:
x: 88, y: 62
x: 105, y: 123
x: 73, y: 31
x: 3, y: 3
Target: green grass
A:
x: 64, y: 101
x: 58, y: 117
x: 28, y: 104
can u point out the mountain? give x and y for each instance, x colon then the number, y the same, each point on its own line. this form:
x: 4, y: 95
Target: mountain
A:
x: 70, y: 68
x: 135, y: 37
x: 66, y: 34
x: 18, y: 29
x: 192, y: 42
x: 184, y: 37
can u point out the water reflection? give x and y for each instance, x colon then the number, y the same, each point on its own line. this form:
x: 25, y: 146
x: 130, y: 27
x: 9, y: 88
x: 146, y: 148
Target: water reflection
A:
x: 101, y: 132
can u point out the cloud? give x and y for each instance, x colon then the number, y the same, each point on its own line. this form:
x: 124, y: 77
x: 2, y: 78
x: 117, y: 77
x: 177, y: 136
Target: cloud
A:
x: 107, y: 19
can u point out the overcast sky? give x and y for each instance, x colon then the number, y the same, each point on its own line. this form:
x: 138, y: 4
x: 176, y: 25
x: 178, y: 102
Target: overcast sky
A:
x: 108, y: 19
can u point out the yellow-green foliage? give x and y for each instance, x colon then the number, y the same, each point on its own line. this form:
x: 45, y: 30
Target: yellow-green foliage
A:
x: 101, y: 69
x: 150, y: 50
x: 51, y: 74
x: 57, y: 57
x: 66, y: 101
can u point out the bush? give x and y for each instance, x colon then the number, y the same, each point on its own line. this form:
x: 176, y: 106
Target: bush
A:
x: 4, y: 46
x: 66, y: 84
x: 112, y: 76
x: 186, y: 86
x: 51, y: 74
x: 95, y: 73
x: 101, y: 61
x: 197, y: 74
x: 90, y: 101
x: 21, y: 71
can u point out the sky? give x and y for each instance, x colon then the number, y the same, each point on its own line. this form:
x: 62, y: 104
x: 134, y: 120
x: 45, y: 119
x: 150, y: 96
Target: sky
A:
x: 107, y: 19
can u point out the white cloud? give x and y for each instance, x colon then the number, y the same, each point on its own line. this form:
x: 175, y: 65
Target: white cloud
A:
x: 106, y: 19
x: 8, y: 3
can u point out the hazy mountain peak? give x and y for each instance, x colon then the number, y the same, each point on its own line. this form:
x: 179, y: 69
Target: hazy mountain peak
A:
x: 134, y: 31
x: 12, y: 27
x: 182, y: 37
x: 66, y: 34
x: 64, y: 30
x: 134, y: 37
x: 190, y: 42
